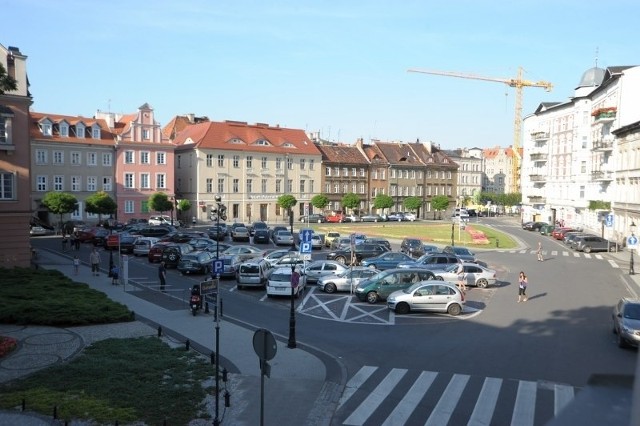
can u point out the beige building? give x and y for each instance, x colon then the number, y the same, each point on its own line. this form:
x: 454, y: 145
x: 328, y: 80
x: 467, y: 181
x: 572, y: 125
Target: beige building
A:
x: 249, y: 166
x: 15, y: 154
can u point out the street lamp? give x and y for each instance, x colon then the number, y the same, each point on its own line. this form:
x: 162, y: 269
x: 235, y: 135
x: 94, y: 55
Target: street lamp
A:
x: 453, y: 230
x: 295, y: 281
x: 221, y: 213
x: 632, y: 239
x: 293, y: 240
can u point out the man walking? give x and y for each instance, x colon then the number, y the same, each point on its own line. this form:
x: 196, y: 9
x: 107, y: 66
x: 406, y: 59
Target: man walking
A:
x: 94, y: 259
x: 539, y: 252
x: 162, y: 274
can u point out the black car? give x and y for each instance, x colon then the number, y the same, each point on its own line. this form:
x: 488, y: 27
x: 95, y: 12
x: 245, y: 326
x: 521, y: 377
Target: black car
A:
x: 183, y: 237
x: 156, y: 231
x: 201, y: 243
x: 257, y: 225
x: 313, y: 218
x: 99, y: 238
x: 412, y: 247
x: 261, y: 236
x: 533, y: 226
x: 360, y: 251
x: 198, y: 262
x: 172, y: 254
x: 380, y: 241
x: 217, y: 233
x: 127, y: 243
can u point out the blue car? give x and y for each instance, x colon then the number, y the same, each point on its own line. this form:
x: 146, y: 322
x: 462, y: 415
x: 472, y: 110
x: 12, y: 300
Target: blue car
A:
x: 388, y: 260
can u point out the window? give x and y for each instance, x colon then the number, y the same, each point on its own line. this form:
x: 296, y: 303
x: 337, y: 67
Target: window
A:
x: 236, y: 161
x: 249, y: 162
x: 278, y: 164
x: 41, y: 183
x: 311, y: 164
x: 95, y: 132
x: 129, y: 157
x: 77, y: 213
x: 75, y: 158
x: 7, y: 185
x: 41, y: 156
x: 5, y: 128
x: 278, y: 186
x: 145, y: 134
x: 76, y: 184
x: 311, y: 186
x: 327, y: 171
x: 58, y: 183
x: 80, y: 130
x: 91, y: 159
x: 249, y: 186
x: 302, y: 186
x: 264, y: 163
x: 336, y: 171
x: 92, y: 183
x: 107, y: 160
x: 582, y: 192
x: 209, y: 160
x: 209, y: 185
x: 302, y: 163
x: 236, y: 186
x: 336, y: 188
x: 107, y: 184
x: 289, y: 163
x: 263, y: 185
x: 144, y: 181
x: 58, y: 157
x: 161, y: 158
x: 161, y: 181
x: 46, y: 129
x: 144, y: 206
x: 583, y: 167
x: 64, y: 130
x: 220, y: 160
x: 290, y: 185
x: 220, y: 184
x: 345, y: 171
x: 128, y: 180
x: 362, y: 188
x: 129, y: 206
x: 145, y: 158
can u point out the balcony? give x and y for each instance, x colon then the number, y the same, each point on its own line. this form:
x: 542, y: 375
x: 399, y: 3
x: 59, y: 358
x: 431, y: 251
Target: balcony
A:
x: 603, y: 144
x: 540, y: 136
x: 539, y: 156
x: 604, y: 115
x: 537, y: 178
x: 601, y: 176
x: 537, y: 199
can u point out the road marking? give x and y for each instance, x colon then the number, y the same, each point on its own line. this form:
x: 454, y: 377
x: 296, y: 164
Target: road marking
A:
x: 587, y: 255
x: 554, y: 253
x: 373, y: 400
x: 563, y: 395
x: 411, y: 399
x: 356, y: 381
x: 486, y: 404
x: 576, y: 254
x: 564, y: 253
x: 613, y: 263
x: 444, y: 408
x: 524, y: 409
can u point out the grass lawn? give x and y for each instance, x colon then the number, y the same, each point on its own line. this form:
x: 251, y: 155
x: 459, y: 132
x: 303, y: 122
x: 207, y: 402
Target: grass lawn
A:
x: 123, y: 380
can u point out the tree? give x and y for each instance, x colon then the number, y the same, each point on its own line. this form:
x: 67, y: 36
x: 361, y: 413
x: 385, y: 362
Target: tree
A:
x: 183, y: 206
x: 7, y: 83
x: 351, y: 201
x: 320, y: 201
x: 100, y: 203
x: 286, y: 202
x: 412, y: 203
x: 383, y: 201
x: 438, y: 204
x: 160, y: 202
x: 60, y: 203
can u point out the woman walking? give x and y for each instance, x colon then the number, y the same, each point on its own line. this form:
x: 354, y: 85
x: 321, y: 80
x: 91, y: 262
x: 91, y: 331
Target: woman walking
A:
x: 522, y: 287
x: 539, y: 252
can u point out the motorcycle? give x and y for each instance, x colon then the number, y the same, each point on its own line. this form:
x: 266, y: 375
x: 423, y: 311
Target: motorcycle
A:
x: 196, y: 300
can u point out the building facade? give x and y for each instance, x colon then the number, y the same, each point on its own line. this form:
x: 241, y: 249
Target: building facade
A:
x: 15, y: 155
x: 470, y: 173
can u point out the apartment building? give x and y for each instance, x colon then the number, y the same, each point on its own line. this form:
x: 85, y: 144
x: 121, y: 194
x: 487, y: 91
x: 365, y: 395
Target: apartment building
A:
x: 470, y: 173
x: 15, y: 154
x: 498, y: 169
x: 249, y: 166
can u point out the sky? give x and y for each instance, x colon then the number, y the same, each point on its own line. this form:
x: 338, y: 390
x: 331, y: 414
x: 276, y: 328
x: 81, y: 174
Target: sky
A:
x: 334, y: 67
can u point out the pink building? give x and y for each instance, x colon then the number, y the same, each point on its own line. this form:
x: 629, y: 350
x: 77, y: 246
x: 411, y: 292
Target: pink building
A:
x: 144, y: 161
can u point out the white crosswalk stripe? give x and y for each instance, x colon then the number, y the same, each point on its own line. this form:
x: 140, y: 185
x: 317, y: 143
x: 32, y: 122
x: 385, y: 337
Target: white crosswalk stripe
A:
x: 564, y: 253
x: 398, y: 399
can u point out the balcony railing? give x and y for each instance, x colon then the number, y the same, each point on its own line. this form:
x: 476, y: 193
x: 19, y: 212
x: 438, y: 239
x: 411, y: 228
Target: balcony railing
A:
x: 604, y: 144
x: 537, y: 178
x: 601, y: 176
x: 603, y: 115
x: 538, y: 199
x: 539, y: 156
x: 540, y: 136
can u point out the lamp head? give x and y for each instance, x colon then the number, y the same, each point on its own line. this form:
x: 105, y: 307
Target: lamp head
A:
x: 632, y: 226
x: 218, y: 198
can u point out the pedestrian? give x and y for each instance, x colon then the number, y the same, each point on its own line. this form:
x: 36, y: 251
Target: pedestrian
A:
x: 115, y: 271
x: 77, y: 243
x: 462, y: 285
x: 162, y: 274
x: 522, y: 287
x: 539, y: 252
x: 64, y: 242
x: 94, y: 259
x: 76, y: 264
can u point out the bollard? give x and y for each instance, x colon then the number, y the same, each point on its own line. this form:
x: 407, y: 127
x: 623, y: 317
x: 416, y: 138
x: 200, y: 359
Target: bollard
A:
x: 159, y: 331
x: 213, y: 358
x: 206, y: 307
x: 24, y: 404
x: 227, y: 399
x: 225, y: 375
x: 55, y: 412
x: 187, y: 344
x: 497, y: 242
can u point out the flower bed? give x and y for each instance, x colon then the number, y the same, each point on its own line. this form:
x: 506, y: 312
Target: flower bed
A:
x: 7, y: 344
x: 478, y: 237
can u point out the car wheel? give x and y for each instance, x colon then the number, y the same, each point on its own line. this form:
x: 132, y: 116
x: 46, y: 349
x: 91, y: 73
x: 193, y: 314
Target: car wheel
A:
x: 172, y: 257
x: 587, y: 249
x: 330, y: 288
x: 482, y: 283
x: 620, y: 341
x: 454, y: 309
x: 375, y: 220
x: 439, y: 278
x: 613, y: 248
x: 341, y: 259
x: 372, y: 297
x: 402, y: 308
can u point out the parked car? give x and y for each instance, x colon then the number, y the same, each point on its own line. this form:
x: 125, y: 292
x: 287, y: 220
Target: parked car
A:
x: 626, y: 322
x: 253, y: 273
x: 381, y: 285
x: 72, y: 226
x: 474, y: 274
x: 100, y: 237
x: 197, y: 262
x: 217, y: 248
x: 372, y: 218
x: 245, y: 252
x: 279, y: 283
x: 547, y: 229
x: 84, y: 235
x: 589, y: 243
x: 142, y: 245
x: 570, y: 236
x: 277, y: 229
x: 396, y: 216
x: 172, y: 254
x: 321, y: 268
x: 335, y: 218
x: 217, y: 233
x: 38, y: 231
x: 431, y: 261
x: 316, y: 242
x: 240, y: 233
x: 261, y: 236
x: 156, y: 231
x: 230, y: 263
x: 289, y: 260
x: 533, y: 226
x: 462, y: 253
x: 161, y: 220
x: 412, y: 247
x: 429, y: 296
x: 235, y: 225
x: 135, y: 221
x: 283, y: 238
x: 346, y: 280
x: 257, y: 225
x: 558, y: 232
x: 341, y: 243
x: 274, y: 255
x: 156, y: 250
x: 389, y: 260
x: 411, y: 217
x: 127, y: 243
x: 330, y: 237
x: 351, y: 218
x: 313, y: 218
x: 360, y: 252
x: 430, y: 248
x: 376, y: 240
x: 184, y: 237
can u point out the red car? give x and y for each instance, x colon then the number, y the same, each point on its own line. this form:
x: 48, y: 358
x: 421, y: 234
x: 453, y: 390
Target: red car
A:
x: 155, y: 252
x: 335, y: 218
x: 558, y: 233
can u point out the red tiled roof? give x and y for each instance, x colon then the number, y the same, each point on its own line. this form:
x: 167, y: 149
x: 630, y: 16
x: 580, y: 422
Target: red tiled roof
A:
x: 240, y: 136
x: 343, y: 154
x: 106, y: 137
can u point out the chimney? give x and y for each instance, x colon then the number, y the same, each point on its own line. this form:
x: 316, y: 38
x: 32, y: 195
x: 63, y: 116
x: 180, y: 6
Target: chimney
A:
x: 191, y: 117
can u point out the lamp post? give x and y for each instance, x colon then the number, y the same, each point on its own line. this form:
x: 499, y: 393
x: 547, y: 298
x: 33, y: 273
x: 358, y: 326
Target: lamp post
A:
x: 453, y: 230
x: 295, y: 281
x: 221, y: 213
x: 293, y: 240
x: 633, y: 240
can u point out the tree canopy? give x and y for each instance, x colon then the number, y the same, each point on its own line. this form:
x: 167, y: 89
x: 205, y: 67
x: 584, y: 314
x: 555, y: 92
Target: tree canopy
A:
x: 60, y: 203
x: 351, y: 201
x: 100, y: 203
x: 412, y: 203
x: 287, y: 201
x: 320, y: 201
x: 382, y: 201
x: 7, y: 83
x: 160, y: 202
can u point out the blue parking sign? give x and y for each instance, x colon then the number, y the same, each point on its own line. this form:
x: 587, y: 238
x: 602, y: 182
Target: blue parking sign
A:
x: 609, y: 220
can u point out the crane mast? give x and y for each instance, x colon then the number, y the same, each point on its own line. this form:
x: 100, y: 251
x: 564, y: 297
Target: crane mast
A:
x: 518, y: 83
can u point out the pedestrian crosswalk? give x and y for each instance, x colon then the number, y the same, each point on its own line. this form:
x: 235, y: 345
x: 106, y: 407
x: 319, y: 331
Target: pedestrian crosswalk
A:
x: 398, y: 396
x: 562, y: 253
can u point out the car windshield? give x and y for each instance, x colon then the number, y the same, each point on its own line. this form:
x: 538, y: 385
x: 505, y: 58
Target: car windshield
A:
x: 632, y: 311
x: 284, y: 234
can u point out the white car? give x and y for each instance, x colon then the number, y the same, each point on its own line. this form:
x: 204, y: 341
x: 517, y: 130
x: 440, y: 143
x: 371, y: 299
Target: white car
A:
x: 279, y: 283
x: 316, y: 242
x: 160, y: 220
x: 474, y: 274
x: 283, y: 238
x: 273, y: 256
x: 410, y: 217
x: 427, y: 296
x: 143, y: 244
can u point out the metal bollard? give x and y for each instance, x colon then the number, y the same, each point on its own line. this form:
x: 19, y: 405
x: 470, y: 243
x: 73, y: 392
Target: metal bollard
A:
x: 497, y: 242
x: 187, y: 344
x: 159, y: 331
x: 206, y: 307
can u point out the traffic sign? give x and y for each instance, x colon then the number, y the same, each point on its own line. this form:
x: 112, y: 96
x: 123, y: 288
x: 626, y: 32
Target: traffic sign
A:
x: 632, y: 242
x: 218, y: 266
x: 305, y: 236
x: 609, y: 220
x: 305, y: 248
x: 305, y: 256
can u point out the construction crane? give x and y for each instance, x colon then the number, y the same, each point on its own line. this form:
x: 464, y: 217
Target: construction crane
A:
x: 518, y: 83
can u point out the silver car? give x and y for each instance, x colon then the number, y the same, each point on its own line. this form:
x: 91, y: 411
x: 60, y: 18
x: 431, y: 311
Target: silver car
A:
x: 474, y: 274
x: 626, y: 322
x: 283, y: 238
x: 244, y: 252
x: 347, y: 280
x: 320, y: 268
x: 427, y: 296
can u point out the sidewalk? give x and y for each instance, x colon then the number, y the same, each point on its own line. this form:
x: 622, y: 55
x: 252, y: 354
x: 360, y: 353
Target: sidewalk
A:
x: 301, y: 372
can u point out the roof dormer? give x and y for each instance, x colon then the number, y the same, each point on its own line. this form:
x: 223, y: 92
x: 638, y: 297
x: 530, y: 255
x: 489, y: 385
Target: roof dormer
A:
x: 80, y: 128
x: 63, y: 129
x: 96, y: 131
x: 262, y: 142
x: 46, y: 127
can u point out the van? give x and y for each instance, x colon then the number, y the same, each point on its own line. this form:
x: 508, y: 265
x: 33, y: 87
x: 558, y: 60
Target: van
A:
x: 142, y: 245
x: 381, y: 285
x: 253, y: 273
x: 460, y: 215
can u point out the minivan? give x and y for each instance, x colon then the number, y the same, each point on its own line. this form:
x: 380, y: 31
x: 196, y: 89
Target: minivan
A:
x: 253, y: 273
x: 460, y: 214
x: 381, y: 285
